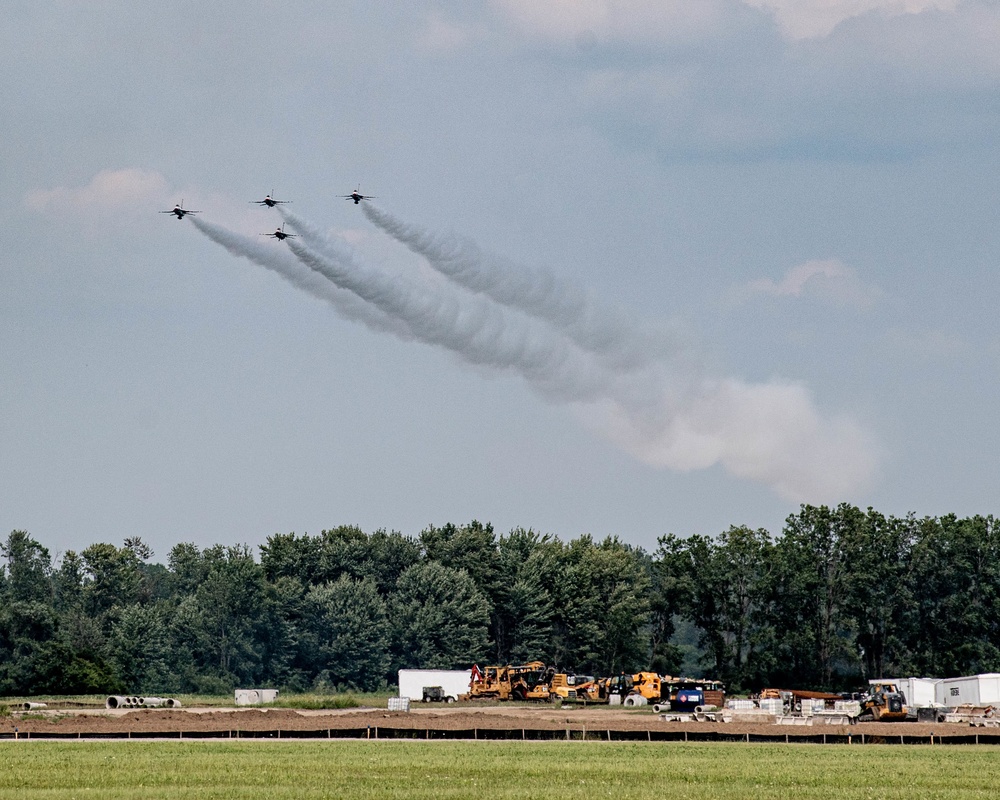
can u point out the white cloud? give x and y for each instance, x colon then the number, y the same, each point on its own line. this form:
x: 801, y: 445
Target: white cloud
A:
x: 806, y: 19
x: 770, y: 433
x: 112, y: 189
x: 827, y: 279
x: 671, y: 19
x: 898, y: 79
x: 614, y: 20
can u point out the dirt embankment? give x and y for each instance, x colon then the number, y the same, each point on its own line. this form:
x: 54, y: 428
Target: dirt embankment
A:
x: 437, y: 718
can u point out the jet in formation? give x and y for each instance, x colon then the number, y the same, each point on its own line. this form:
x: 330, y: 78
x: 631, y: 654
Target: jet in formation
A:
x: 179, y: 210
x: 279, y: 234
x: 357, y: 197
x: 269, y: 202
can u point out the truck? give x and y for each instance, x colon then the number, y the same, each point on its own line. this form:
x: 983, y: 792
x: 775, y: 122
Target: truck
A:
x: 436, y: 694
x: 451, y: 682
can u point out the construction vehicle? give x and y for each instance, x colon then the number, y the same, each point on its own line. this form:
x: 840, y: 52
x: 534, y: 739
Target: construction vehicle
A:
x: 689, y: 694
x: 637, y: 689
x: 883, y: 703
x: 524, y: 682
x: 436, y: 694
x: 575, y: 688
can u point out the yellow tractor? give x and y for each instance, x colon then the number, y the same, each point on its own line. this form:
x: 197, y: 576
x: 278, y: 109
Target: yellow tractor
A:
x: 523, y: 682
x: 637, y: 689
x: 575, y: 688
x: 884, y: 702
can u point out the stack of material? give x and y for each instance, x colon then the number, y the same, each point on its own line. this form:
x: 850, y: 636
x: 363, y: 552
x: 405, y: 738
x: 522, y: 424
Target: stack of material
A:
x: 772, y: 705
x: 132, y: 701
x: 399, y: 703
x: 850, y: 707
x: 749, y: 715
x: 978, y: 716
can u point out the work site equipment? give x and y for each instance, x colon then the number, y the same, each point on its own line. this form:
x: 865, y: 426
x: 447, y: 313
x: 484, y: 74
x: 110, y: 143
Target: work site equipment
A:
x: 636, y: 689
x: 883, y: 703
x: 436, y: 694
x: 524, y: 682
x: 576, y: 688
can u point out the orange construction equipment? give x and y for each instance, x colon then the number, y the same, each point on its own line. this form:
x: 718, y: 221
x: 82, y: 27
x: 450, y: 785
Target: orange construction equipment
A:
x: 575, y: 688
x: 523, y: 682
x: 884, y: 703
x: 645, y: 685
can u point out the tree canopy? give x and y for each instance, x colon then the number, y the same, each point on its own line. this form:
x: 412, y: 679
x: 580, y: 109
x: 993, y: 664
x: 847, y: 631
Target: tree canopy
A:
x: 839, y: 596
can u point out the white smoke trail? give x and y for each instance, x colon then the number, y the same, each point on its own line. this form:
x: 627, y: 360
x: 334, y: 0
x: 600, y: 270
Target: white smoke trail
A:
x: 771, y: 433
x: 575, y: 311
x: 348, y: 304
x: 476, y: 330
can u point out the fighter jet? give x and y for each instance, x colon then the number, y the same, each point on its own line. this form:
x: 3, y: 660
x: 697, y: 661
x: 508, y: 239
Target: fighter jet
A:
x: 279, y: 234
x: 270, y: 203
x: 179, y: 210
x: 356, y: 196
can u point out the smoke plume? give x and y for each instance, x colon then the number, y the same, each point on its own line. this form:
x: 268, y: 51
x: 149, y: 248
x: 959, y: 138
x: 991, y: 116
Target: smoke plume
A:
x: 291, y: 269
x: 572, y: 309
x: 478, y: 331
x: 663, y: 415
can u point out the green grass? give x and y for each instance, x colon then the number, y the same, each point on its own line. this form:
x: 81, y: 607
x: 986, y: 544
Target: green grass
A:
x: 480, y: 770
x: 323, y: 701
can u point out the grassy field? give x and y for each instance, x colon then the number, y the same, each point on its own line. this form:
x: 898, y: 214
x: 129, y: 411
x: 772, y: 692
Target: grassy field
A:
x: 481, y: 770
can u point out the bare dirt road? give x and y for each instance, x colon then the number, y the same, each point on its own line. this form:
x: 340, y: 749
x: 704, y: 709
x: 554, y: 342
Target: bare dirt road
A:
x: 442, y: 719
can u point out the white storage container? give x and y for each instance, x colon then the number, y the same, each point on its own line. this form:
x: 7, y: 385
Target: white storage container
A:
x: 453, y: 681
x: 976, y: 690
x: 255, y: 697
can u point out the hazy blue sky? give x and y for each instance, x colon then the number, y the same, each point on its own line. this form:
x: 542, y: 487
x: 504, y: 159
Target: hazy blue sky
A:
x: 782, y: 212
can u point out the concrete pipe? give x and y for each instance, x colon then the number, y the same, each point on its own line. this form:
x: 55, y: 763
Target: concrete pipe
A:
x: 658, y: 708
x: 33, y: 706
x: 116, y: 701
x: 703, y: 709
x: 171, y: 703
x: 153, y: 702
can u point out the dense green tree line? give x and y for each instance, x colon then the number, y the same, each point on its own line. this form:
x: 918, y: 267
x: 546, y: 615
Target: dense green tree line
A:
x: 841, y: 595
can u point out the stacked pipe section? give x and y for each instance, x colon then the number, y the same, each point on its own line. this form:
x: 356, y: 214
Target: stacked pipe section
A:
x: 132, y: 701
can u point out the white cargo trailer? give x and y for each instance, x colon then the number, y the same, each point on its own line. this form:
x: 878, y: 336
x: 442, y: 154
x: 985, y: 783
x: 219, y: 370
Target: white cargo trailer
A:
x: 453, y: 681
x: 976, y: 690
